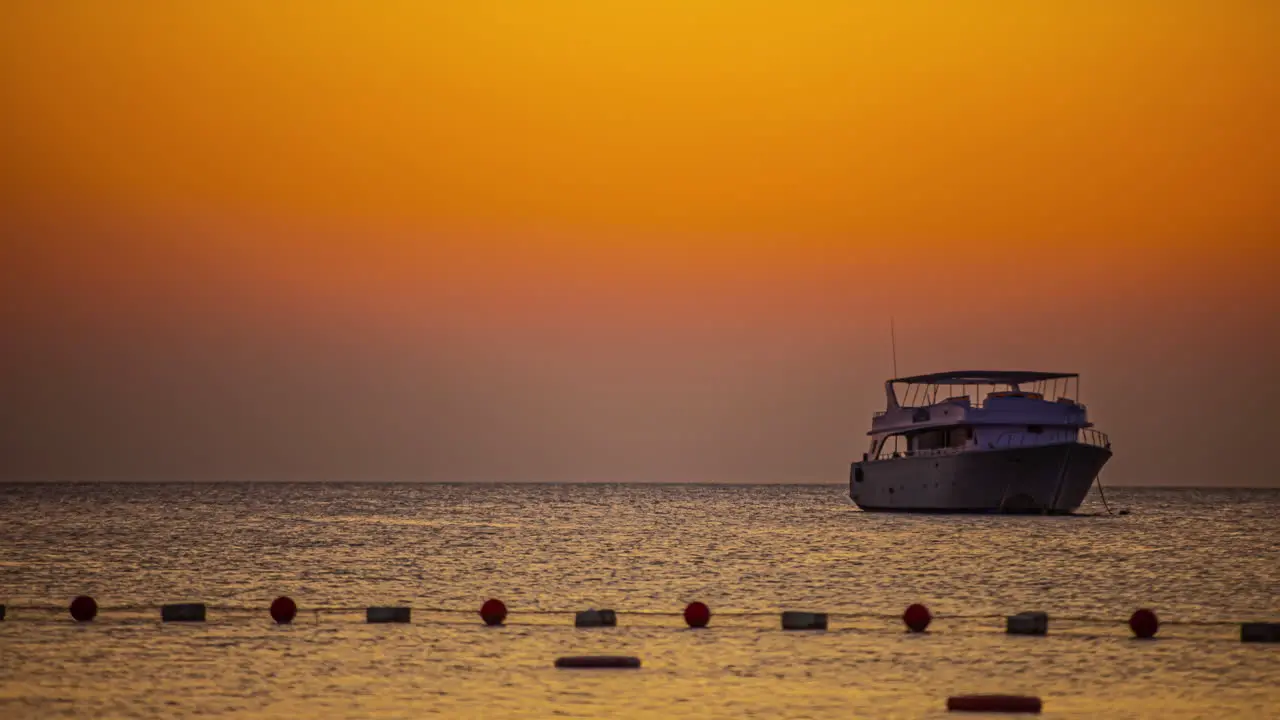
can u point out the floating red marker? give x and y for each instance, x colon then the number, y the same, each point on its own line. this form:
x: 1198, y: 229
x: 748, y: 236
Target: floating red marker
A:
x: 598, y: 661
x: 1144, y: 623
x: 283, y: 609
x: 994, y: 703
x: 917, y: 617
x: 493, y: 612
x: 697, y: 614
x: 84, y: 608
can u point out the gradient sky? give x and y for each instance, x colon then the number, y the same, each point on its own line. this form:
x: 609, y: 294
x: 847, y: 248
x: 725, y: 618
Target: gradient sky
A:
x: 625, y: 241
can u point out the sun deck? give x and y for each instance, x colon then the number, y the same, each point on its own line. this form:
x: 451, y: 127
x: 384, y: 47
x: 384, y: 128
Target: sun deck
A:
x: 978, y: 410
x: 976, y: 388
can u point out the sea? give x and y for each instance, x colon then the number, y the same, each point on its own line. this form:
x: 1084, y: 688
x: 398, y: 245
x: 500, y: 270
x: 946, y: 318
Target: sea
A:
x: 1203, y: 560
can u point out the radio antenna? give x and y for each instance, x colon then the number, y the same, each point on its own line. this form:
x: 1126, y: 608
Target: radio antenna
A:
x: 893, y: 345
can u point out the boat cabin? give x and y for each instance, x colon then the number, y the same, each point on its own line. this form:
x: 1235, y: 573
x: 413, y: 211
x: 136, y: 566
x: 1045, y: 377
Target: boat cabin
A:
x: 945, y: 413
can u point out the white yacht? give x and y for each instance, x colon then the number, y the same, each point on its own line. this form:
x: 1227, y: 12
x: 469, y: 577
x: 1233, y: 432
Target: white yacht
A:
x: 980, y: 441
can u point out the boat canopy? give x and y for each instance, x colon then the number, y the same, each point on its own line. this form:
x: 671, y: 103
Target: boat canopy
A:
x: 983, y: 377
x: 924, y: 390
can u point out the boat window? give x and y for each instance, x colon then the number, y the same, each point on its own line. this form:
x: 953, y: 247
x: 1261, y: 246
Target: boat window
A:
x: 955, y: 437
x: 1035, y: 429
x: 890, y: 446
x: 899, y: 445
x: 929, y: 440
x: 907, y: 444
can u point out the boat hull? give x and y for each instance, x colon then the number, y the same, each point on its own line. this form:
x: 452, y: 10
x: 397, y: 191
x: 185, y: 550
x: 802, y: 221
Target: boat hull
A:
x: 1050, y: 479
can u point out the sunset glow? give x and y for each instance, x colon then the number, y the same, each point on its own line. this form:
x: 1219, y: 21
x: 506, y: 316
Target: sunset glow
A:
x: 680, y: 225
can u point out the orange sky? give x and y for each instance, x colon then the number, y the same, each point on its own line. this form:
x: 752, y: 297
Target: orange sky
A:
x: 680, y: 226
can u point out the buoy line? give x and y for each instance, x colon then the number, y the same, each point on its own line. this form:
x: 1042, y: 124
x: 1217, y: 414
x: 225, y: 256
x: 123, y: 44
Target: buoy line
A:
x: 1143, y: 623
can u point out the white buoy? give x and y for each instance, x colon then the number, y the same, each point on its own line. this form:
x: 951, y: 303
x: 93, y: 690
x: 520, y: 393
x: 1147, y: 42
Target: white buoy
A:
x: 1027, y: 623
x: 595, y: 618
x: 387, y: 614
x: 796, y: 620
x: 1260, y: 632
x: 183, y: 612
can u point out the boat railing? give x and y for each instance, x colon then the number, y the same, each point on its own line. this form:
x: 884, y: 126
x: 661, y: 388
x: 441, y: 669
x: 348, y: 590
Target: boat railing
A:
x: 1086, y: 436
x: 932, y: 452
x: 979, y: 405
x: 1021, y: 438
x: 1097, y: 438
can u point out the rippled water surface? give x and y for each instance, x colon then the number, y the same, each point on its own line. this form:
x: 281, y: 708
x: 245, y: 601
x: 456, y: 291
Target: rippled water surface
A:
x: 1201, y: 559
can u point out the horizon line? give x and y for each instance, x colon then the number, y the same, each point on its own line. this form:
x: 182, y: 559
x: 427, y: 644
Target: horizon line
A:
x: 664, y: 483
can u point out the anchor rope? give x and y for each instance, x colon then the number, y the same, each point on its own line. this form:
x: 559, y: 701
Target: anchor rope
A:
x: 1102, y: 493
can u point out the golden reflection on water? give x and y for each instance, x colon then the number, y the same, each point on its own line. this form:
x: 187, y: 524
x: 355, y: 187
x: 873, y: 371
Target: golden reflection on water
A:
x: 548, y: 548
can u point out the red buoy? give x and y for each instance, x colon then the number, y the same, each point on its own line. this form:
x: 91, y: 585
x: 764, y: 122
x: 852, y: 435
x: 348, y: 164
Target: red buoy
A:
x: 917, y: 617
x: 697, y: 614
x: 1144, y: 623
x: 493, y: 612
x: 283, y: 609
x: 84, y: 608
x: 598, y: 661
x: 994, y: 703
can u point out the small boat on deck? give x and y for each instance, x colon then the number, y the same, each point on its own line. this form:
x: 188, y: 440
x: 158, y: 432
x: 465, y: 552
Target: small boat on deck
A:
x: 980, y: 441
